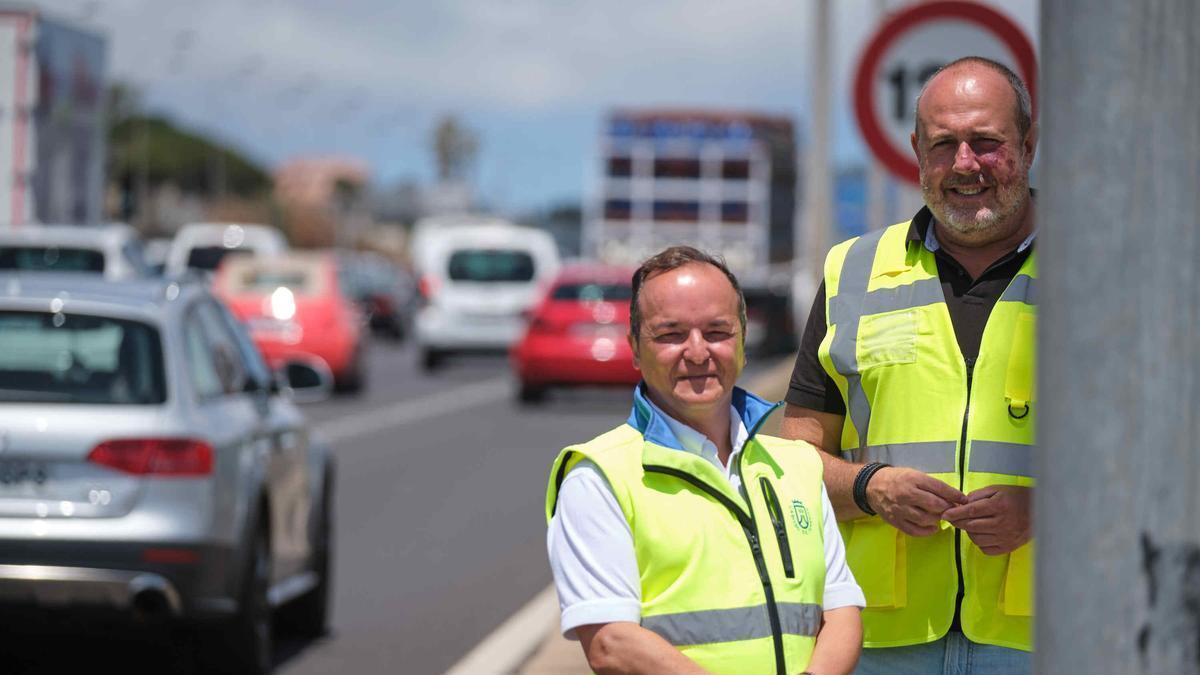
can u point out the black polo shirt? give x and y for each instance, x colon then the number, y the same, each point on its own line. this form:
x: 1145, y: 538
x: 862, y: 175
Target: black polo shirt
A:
x: 970, y: 301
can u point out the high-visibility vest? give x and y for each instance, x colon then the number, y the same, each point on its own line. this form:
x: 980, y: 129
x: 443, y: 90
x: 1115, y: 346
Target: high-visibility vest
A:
x: 734, y: 580
x: 912, y: 400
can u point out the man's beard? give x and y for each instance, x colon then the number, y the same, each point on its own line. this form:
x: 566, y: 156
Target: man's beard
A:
x: 973, y: 220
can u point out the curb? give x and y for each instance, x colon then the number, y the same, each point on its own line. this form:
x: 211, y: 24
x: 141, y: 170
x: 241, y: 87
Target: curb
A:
x: 507, y: 647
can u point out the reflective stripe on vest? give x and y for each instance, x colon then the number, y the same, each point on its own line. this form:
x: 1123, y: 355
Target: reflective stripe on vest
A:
x: 729, y: 625
x: 1013, y: 459
x: 856, y: 274
x: 930, y: 457
x: 1021, y: 289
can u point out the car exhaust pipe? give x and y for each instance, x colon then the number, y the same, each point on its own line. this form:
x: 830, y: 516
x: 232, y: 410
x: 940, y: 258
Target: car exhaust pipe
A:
x: 152, y: 597
x: 150, y: 603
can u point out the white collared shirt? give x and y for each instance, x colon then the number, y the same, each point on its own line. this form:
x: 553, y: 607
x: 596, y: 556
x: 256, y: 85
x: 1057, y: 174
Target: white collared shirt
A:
x: 591, y: 545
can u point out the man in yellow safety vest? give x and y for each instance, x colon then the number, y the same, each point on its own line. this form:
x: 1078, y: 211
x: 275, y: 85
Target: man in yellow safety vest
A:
x: 915, y: 376
x: 683, y: 541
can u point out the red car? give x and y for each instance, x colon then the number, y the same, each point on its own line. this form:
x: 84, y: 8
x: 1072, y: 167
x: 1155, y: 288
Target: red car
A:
x: 577, y: 333
x: 294, y: 306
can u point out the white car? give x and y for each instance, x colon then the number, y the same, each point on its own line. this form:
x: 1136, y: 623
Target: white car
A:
x: 201, y: 246
x: 113, y: 250
x: 477, y: 278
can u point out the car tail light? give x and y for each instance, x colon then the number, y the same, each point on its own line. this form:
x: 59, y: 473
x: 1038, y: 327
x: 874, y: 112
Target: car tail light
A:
x: 541, y: 323
x: 428, y: 286
x: 155, y: 456
x: 171, y: 556
x: 382, y: 305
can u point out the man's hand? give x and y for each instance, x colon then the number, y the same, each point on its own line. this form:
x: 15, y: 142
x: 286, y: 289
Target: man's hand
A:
x: 998, y: 518
x: 911, y: 501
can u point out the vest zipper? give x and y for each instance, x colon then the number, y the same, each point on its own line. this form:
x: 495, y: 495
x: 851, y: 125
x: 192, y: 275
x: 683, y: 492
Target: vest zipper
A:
x: 751, y: 532
x: 776, y: 513
x: 956, y: 623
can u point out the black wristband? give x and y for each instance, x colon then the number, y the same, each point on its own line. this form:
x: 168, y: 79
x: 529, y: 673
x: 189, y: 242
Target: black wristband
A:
x: 860, y: 486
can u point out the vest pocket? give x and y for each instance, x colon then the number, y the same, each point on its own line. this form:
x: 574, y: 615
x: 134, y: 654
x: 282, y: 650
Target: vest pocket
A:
x: 887, y: 339
x: 876, y: 554
x: 1017, y: 596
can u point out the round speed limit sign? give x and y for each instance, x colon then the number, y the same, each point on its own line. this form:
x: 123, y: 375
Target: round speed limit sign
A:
x: 907, y: 49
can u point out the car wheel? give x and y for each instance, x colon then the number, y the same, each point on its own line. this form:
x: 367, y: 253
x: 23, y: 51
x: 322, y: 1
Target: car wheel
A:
x: 531, y: 393
x: 430, y: 359
x: 353, y: 380
x: 394, y: 329
x: 308, y: 616
x: 244, y: 643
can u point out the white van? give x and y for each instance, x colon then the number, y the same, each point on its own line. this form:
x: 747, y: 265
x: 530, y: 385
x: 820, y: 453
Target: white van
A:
x: 201, y: 246
x: 477, y: 278
x: 113, y: 250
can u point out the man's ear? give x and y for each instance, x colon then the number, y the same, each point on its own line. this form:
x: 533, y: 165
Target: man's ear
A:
x: 1029, y: 144
x: 634, y: 347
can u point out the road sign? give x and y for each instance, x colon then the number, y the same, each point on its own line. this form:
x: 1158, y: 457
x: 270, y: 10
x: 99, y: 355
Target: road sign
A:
x: 907, y: 49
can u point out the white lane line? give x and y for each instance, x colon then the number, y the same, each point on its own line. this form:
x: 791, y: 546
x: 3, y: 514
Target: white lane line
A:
x: 508, y: 647
x: 514, y: 641
x: 413, y: 410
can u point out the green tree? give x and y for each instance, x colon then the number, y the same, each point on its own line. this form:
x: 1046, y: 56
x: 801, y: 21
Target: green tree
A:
x: 454, y: 147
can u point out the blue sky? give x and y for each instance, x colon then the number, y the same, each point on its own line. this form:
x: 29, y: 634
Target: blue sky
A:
x: 368, y: 78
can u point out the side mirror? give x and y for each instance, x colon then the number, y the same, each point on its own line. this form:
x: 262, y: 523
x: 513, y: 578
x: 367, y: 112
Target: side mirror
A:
x: 306, y: 381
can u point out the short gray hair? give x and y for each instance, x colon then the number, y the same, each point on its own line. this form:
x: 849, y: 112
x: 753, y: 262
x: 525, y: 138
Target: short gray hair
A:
x: 674, y: 258
x: 1024, y: 112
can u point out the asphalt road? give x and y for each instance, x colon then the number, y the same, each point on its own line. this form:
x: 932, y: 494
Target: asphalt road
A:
x: 439, y: 509
x: 439, y: 525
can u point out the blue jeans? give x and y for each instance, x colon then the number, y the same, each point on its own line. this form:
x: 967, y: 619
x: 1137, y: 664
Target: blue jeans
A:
x: 952, y: 655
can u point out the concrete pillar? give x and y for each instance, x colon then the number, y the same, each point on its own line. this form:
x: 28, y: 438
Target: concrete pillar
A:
x: 1118, y: 498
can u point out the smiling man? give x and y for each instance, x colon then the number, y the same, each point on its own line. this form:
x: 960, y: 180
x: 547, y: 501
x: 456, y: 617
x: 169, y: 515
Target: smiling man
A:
x: 683, y: 541
x: 915, y: 376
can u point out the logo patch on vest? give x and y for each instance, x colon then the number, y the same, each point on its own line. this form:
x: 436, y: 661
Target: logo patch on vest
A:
x: 800, y: 515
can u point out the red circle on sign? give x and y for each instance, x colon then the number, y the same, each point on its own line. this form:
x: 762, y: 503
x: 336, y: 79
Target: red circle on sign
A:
x: 903, y: 164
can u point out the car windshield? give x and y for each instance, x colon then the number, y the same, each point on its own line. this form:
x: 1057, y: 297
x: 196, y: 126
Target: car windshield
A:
x: 593, y: 292
x: 53, y: 258
x: 491, y: 265
x: 77, y: 358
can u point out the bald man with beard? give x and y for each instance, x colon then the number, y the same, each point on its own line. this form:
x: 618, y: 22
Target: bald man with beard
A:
x: 915, y: 378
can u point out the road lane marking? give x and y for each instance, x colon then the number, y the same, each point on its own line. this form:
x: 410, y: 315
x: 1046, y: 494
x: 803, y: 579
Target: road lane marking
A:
x: 414, y: 410
x: 507, y: 647
x: 511, y: 645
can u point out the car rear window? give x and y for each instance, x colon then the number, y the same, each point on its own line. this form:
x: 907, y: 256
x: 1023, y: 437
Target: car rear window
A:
x: 490, y: 265
x: 53, y: 258
x: 593, y: 292
x: 209, y: 257
x: 78, y: 358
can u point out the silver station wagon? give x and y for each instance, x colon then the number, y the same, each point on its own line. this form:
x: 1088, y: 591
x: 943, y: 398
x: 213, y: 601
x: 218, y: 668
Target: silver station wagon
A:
x: 150, y: 464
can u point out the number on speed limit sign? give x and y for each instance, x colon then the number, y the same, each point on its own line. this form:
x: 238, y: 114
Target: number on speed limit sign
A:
x: 907, y: 50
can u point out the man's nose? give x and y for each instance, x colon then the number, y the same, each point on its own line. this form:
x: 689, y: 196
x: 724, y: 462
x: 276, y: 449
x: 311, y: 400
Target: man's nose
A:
x: 696, y: 349
x: 965, y: 160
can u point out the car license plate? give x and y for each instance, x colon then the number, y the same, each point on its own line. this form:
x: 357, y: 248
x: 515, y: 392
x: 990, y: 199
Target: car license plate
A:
x: 267, y: 325
x: 16, y: 472
x: 596, y: 330
x: 273, y: 329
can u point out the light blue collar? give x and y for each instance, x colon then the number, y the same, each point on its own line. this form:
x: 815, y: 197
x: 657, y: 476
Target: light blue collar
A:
x: 653, y: 425
x: 933, y: 245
